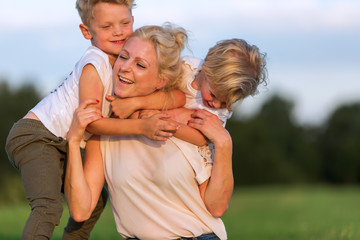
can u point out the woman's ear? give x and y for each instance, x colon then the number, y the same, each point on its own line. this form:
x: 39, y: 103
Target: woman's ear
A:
x: 162, y: 82
x: 85, y: 31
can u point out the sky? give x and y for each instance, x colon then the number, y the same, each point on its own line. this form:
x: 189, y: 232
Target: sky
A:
x: 312, y: 46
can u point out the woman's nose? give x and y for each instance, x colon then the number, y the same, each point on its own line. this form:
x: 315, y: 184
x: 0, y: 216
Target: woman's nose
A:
x: 125, y: 66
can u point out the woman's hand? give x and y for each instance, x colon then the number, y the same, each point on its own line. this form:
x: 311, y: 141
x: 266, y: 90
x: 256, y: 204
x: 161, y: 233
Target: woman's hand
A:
x: 210, y: 125
x: 217, y: 190
x: 83, y: 115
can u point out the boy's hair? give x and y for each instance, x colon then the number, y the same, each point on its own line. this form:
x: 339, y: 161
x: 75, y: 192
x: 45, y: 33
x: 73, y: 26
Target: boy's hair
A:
x: 235, y: 69
x: 169, y: 41
x: 86, y: 7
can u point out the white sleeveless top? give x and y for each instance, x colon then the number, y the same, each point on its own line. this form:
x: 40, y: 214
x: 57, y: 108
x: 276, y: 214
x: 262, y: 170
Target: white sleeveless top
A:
x: 56, y: 110
x: 154, y: 191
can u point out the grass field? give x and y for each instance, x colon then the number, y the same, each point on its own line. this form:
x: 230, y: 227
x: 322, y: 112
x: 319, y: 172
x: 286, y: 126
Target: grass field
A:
x: 263, y: 213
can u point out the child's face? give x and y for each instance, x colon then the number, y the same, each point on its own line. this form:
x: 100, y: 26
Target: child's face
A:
x: 110, y: 27
x: 209, y: 97
x: 135, y: 70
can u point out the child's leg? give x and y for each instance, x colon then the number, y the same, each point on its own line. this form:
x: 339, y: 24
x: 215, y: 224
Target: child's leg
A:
x: 40, y: 158
x: 81, y: 230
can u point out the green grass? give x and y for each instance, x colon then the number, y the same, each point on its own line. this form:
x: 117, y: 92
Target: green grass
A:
x: 294, y: 213
x: 262, y: 213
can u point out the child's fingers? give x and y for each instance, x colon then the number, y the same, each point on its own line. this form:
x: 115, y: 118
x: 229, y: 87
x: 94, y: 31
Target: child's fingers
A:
x: 170, y: 127
x: 162, y: 135
x: 165, y: 131
x: 162, y: 115
x: 159, y: 138
x: 110, y: 98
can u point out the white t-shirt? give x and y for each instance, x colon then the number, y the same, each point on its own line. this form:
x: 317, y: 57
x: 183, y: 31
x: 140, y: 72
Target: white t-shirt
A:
x: 56, y: 110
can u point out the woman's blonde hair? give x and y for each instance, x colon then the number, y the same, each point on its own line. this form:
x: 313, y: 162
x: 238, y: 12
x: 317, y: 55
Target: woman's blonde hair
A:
x: 235, y: 69
x: 86, y: 7
x: 169, y: 41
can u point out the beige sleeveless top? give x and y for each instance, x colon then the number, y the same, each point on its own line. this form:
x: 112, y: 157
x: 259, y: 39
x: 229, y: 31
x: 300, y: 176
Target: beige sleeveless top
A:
x: 154, y: 188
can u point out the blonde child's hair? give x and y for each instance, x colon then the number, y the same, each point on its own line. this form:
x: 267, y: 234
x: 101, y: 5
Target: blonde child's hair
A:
x: 86, y: 7
x: 235, y: 69
x: 169, y: 40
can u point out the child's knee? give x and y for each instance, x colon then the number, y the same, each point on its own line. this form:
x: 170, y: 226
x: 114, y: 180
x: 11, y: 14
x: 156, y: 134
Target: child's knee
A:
x: 50, y: 209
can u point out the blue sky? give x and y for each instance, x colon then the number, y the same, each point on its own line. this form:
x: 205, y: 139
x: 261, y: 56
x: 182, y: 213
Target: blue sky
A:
x: 313, y: 46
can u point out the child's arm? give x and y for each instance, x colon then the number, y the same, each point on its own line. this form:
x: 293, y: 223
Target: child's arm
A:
x: 123, y: 108
x: 91, y: 86
x: 217, y: 190
x: 185, y: 132
x: 180, y: 116
x: 155, y: 127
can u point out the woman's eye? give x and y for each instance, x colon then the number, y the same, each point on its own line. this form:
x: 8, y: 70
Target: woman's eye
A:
x: 140, y: 65
x: 122, y: 56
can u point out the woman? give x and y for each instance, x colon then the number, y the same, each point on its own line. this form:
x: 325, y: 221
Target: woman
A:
x: 154, y: 190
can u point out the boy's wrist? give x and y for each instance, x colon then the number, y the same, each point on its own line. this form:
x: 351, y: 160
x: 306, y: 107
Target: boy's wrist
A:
x: 143, y: 127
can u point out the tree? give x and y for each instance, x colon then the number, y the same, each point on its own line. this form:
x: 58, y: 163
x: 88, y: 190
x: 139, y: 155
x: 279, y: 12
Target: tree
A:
x: 270, y: 148
x: 14, y: 104
x: 340, y: 145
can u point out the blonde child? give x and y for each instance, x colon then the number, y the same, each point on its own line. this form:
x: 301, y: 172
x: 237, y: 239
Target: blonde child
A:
x: 37, y: 145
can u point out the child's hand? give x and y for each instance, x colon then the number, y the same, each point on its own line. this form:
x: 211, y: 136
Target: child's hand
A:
x: 157, y: 128
x: 210, y: 125
x: 122, y: 107
x: 83, y: 115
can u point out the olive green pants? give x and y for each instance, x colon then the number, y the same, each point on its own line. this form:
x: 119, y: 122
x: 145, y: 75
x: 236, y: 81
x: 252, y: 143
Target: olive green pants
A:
x: 41, y: 159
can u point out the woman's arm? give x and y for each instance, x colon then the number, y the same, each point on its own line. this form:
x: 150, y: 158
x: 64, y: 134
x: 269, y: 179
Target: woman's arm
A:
x: 83, y: 184
x: 217, y: 190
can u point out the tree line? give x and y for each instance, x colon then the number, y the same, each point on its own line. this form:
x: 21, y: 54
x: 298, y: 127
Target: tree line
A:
x: 269, y: 147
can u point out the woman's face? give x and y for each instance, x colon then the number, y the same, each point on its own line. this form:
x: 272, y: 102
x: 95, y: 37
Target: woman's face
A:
x: 135, y: 70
